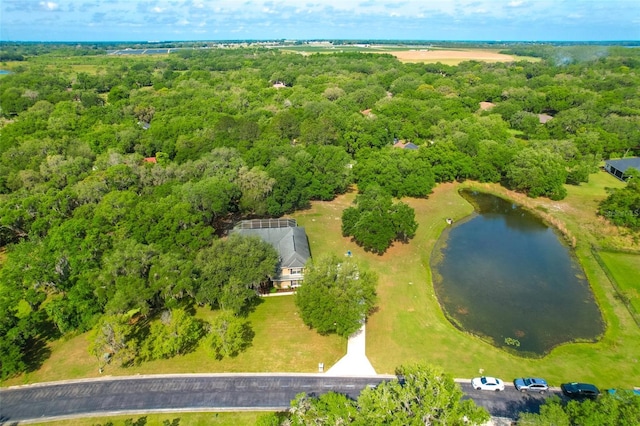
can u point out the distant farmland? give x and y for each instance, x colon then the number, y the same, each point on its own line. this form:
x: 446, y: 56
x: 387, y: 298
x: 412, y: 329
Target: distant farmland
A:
x: 405, y: 53
x: 414, y: 54
x: 453, y: 57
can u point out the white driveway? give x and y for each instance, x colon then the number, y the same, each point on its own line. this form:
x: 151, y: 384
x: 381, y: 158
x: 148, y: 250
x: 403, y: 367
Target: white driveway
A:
x: 355, y: 362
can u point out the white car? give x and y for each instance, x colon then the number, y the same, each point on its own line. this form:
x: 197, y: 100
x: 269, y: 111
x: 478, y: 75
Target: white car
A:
x: 487, y: 383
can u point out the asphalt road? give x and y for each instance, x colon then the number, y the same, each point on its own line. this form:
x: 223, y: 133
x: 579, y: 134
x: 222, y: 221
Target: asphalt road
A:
x: 508, y: 403
x: 204, y: 393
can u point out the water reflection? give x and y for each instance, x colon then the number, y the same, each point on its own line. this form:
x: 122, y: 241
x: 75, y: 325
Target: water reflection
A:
x: 505, y: 275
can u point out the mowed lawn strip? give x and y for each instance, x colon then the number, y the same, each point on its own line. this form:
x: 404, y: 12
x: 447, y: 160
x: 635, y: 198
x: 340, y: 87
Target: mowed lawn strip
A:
x: 625, y: 268
x: 186, y: 419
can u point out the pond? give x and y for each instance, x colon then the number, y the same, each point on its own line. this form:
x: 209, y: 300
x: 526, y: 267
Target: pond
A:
x: 504, y: 275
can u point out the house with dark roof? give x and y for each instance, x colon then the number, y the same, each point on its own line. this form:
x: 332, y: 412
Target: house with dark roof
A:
x: 289, y: 239
x: 619, y: 168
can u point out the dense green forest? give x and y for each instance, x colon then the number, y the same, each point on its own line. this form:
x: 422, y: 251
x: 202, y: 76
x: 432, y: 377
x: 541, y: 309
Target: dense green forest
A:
x: 119, y: 175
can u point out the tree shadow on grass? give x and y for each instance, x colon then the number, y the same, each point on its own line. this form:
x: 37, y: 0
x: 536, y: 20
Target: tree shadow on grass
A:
x: 251, y: 306
x: 36, y: 353
x: 36, y: 350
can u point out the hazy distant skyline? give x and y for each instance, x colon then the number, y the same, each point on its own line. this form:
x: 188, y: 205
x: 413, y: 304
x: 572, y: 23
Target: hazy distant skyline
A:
x: 163, y: 20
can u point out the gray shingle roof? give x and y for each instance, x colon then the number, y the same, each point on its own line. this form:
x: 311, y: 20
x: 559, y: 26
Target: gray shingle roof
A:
x: 625, y: 163
x: 291, y: 243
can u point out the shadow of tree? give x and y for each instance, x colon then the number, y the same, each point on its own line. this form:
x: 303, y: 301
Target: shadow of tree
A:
x: 527, y: 404
x: 36, y: 353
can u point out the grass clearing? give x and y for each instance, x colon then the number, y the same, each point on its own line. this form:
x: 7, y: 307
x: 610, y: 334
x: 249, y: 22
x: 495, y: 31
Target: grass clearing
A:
x: 625, y: 268
x: 410, y: 325
x: 190, y: 419
x: 281, y: 343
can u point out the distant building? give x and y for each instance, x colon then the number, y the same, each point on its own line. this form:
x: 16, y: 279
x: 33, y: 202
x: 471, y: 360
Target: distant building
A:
x: 289, y: 239
x: 150, y: 160
x: 404, y: 145
x: 485, y: 106
x: 543, y: 118
x: 619, y: 168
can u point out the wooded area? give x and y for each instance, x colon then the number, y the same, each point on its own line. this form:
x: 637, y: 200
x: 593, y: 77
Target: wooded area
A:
x: 119, y: 175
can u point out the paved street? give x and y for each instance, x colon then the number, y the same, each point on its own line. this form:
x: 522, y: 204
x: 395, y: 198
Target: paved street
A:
x: 214, y: 392
x: 508, y: 403
x: 208, y: 392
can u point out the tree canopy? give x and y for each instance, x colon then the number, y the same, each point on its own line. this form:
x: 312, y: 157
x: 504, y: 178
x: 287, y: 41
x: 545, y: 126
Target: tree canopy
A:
x: 622, y: 206
x: 610, y: 409
x: 336, y: 296
x: 422, y: 395
x: 376, y: 220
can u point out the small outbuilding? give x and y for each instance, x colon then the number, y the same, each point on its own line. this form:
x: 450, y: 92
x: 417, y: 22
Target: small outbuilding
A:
x: 619, y: 168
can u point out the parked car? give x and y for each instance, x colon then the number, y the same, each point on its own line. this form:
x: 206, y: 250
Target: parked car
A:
x: 531, y: 384
x: 487, y: 383
x: 580, y: 390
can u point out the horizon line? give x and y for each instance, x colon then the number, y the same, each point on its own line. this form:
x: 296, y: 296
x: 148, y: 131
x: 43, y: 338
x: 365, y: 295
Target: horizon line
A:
x: 292, y: 40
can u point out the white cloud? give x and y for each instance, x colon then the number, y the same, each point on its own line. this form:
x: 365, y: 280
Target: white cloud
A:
x: 428, y: 19
x: 49, y: 5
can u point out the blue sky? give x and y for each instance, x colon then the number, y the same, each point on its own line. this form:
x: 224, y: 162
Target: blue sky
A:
x: 144, y: 20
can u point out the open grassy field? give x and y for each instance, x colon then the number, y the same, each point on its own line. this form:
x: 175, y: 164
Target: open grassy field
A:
x: 282, y: 343
x: 191, y: 419
x: 410, y: 326
x: 625, y: 268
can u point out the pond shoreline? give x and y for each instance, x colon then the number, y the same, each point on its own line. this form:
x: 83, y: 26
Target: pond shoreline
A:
x: 528, y: 261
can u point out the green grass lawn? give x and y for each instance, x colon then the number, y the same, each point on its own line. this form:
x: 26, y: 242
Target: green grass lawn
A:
x: 282, y: 343
x: 185, y: 419
x: 625, y: 268
x: 410, y: 326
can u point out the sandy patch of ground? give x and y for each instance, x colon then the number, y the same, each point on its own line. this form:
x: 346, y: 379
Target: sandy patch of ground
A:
x: 447, y: 55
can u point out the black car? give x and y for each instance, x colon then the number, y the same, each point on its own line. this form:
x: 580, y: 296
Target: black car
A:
x: 580, y: 390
